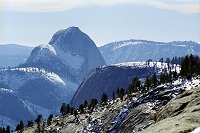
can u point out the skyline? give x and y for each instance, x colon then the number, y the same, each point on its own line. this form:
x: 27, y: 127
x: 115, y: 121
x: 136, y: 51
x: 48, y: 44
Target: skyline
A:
x: 34, y: 22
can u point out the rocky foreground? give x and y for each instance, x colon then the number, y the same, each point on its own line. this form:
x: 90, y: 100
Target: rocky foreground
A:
x: 181, y: 114
x: 168, y: 108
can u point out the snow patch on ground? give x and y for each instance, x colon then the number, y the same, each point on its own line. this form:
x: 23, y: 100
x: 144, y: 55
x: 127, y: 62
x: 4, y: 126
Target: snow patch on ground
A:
x: 197, y: 130
x: 190, y: 84
x: 120, y: 117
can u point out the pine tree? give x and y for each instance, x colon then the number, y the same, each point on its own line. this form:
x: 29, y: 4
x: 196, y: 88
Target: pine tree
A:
x: 4, y: 130
x: 72, y: 111
x: 162, y: 78
x: 93, y: 103
x: 154, y: 80
x: 113, y: 95
x: 161, y: 60
x: 49, y: 120
x: 190, y: 66
x: 20, y: 127
x: 118, y: 92
x: 68, y: 109
x: 147, y: 83
x: 76, y: 114
x: 130, y: 89
x: 43, y: 127
x: 81, y: 108
x: 63, y: 109
x: 38, y: 120
x: 121, y: 93
x: 169, y: 77
x: 104, y: 98
x: 136, y: 84
x: 21, y: 124
x: 30, y: 123
x: 8, y: 129
x: 185, y: 66
x: 85, y: 103
x: 168, y: 60
x: 17, y: 127
x: 175, y: 75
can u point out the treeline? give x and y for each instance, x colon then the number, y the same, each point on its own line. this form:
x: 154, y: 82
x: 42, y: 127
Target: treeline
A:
x: 150, y: 82
x: 67, y: 109
x: 5, y: 130
x: 190, y: 66
x: 40, y: 125
x: 135, y: 86
x: 174, y: 60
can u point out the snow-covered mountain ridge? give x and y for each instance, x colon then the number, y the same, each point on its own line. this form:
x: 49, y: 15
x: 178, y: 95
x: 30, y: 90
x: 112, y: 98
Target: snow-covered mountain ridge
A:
x: 15, y: 77
x: 35, y: 91
x: 143, y: 50
x: 50, y: 76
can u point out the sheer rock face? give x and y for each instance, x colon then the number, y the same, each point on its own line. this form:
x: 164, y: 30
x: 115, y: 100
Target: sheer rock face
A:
x: 74, y: 42
x: 69, y: 51
x: 107, y: 79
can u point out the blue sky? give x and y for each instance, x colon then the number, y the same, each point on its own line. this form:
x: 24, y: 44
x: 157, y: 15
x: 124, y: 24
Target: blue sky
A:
x: 33, y: 22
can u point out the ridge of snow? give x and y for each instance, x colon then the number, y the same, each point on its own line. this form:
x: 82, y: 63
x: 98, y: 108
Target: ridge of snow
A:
x: 17, y: 80
x: 6, y: 90
x: 47, y: 46
x: 182, y: 45
x: 123, y: 44
x: 145, y: 64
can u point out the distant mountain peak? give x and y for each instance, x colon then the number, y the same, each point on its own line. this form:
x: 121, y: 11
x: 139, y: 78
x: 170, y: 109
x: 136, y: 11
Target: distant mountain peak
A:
x: 67, y: 35
x: 69, y: 30
x: 70, y: 49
